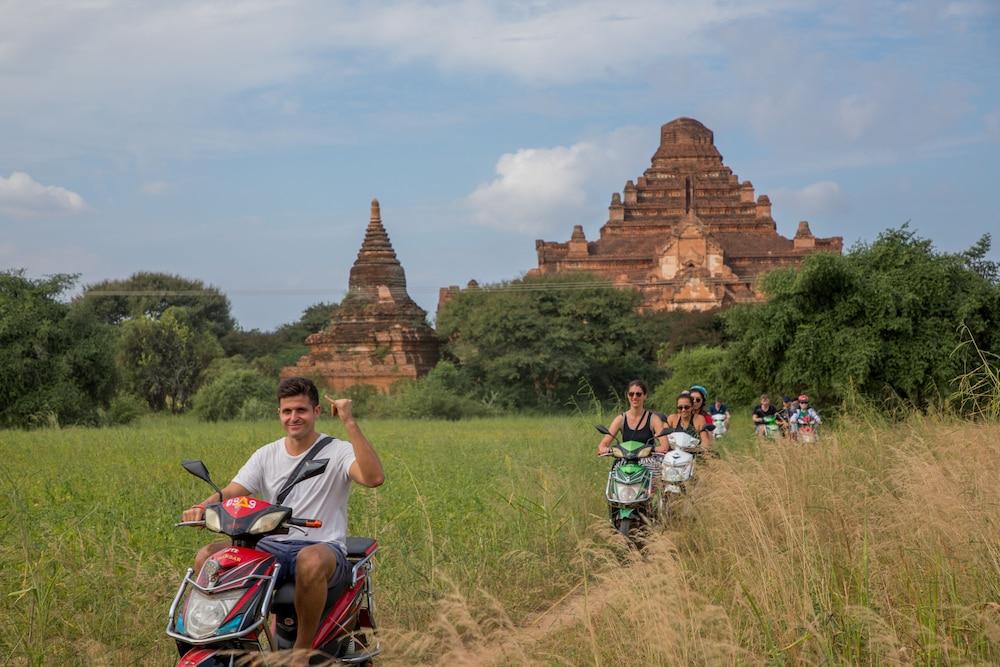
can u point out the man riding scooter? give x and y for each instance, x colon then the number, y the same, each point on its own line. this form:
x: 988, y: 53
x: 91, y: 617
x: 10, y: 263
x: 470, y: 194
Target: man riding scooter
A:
x: 317, y: 558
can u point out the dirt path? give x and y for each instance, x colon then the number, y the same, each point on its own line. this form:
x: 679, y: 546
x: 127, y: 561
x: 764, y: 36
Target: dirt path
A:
x: 519, y: 645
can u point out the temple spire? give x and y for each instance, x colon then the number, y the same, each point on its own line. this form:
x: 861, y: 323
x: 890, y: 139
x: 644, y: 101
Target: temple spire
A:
x: 376, y: 238
x: 377, y: 263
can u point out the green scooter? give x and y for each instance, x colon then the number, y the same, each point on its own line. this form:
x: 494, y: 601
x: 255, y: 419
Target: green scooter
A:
x: 630, y: 485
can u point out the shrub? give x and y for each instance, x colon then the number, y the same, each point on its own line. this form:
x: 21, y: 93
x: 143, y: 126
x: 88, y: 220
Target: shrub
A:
x: 227, y: 396
x: 257, y: 409
x: 438, y: 395
x: 124, y: 409
x: 708, y: 366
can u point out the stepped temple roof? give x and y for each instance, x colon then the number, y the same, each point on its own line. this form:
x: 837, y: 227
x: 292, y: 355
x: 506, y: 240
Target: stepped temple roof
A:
x: 378, y: 334
x: 687, y: 233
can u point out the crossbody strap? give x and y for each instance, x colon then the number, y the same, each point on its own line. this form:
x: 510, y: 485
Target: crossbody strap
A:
x: 310, y: 455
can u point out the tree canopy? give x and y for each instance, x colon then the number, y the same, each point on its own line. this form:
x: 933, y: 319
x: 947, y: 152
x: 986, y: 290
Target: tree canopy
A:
x: 56, y: 362
x: 886, y: 317
x: 163, y: 360
x: 530, y: 341
x: 147, y: 295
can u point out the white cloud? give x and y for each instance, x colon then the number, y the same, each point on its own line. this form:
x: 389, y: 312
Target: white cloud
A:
x: 151, y: 79
x: 820, y: 199
x: 22, y: 197
x: 543, y: 190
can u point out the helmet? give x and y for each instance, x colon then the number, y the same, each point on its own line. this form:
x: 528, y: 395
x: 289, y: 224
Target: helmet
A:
x: 786, y: 399
x: 701, y: 390
x: 803, y: 398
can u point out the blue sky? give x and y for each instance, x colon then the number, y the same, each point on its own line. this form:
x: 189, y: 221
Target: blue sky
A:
x: 240, y: 143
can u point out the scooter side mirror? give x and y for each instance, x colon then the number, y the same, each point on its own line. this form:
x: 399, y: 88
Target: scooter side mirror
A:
x: 709, y: 427
x: 198, y: 469
x: 602, y: 429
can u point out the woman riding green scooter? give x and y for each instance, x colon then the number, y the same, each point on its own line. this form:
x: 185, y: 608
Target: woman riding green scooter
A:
x: 637, y: 423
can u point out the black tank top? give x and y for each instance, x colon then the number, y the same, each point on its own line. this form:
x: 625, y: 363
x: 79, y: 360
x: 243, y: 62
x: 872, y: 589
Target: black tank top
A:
x: 643, y: 431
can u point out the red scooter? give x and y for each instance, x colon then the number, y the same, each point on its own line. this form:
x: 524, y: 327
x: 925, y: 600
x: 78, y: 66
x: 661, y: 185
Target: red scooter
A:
x: 225, y: 614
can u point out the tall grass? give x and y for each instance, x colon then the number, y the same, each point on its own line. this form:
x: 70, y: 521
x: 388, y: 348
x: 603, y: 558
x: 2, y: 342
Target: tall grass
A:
x: 977, y: 392
x: 877, y: 546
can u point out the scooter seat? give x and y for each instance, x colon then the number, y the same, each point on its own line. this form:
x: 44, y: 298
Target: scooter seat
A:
x: 357, y: 547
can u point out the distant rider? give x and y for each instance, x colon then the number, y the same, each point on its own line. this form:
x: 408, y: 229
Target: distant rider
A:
x: 804, y: 411
x: 637, y: 423
x: 764, y: 409
x: 719, y: 412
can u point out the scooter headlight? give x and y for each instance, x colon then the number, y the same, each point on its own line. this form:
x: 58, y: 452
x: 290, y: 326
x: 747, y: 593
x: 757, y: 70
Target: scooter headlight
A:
x: 628, y: 493
x: 267, y: 523
x: 203, y: 613
x: 212, y: 520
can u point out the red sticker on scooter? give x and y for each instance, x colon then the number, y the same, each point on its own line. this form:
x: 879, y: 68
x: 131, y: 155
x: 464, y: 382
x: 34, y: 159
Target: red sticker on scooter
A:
x: 241, y: 506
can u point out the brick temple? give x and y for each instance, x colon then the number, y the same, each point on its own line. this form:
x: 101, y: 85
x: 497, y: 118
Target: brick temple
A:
x: 377, y: 335
x: 688, y: 234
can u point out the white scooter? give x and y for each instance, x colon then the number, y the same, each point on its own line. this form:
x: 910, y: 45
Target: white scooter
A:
x: 719, y: 420
x: 677, y: 470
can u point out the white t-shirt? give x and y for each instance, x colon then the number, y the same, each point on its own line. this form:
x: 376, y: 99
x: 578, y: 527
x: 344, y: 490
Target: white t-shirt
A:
x: 323, y: 497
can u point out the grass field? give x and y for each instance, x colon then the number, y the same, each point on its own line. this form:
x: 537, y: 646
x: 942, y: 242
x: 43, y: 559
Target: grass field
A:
x: 880, y: 546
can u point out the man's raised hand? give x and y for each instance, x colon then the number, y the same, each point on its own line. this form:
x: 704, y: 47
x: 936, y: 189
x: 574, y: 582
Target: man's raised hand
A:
x: 340, y: 407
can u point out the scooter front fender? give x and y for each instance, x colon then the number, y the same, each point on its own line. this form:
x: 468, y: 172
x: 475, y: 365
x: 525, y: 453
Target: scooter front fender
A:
x: 207, y: 657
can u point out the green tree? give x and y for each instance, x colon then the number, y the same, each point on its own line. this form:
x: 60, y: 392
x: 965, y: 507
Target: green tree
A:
x: 886, y: 317
x: 56, y: 362
x: 163, y: 360
x: 282, y: 346
x: 148, y: 295
x: 529, y: 341
x: 706, y: 366
x: 224, y: 397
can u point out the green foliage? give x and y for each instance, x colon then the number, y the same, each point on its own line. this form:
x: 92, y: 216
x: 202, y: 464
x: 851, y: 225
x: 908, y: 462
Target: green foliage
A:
x: 366, y: 399
x: 271, y: 350
x: 677, y: 330
x: 438, y: 395
x: 163, y: 359
x: 706, y: 366
x: 124, y: 409
x: 147, y: 295
x: 885, y: 318
x: 528, y: 342
x: 56, y: 362
x: 237, y: 393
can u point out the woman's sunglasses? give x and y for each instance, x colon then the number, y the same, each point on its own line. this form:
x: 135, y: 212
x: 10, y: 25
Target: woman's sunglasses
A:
x: 635, y: 394
x: 683, y: 407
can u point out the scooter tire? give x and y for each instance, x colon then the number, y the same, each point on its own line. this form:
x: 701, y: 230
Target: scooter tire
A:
x: 625, y: 527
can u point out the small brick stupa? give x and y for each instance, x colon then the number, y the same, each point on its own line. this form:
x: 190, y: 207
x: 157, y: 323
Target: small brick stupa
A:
x: 688, y: 234
x: 377, y: 335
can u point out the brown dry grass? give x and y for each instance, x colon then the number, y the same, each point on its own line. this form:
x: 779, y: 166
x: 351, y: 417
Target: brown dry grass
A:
x: 878, y: 546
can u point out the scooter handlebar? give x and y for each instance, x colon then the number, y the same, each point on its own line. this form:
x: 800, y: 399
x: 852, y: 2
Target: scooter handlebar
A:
x: 200, y: 522
x: 305, y: 523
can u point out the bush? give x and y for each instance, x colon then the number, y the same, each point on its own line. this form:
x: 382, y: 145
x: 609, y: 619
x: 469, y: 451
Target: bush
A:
x: 124, y: 409
x: 710, y: 367
x: 438, y: 395
x: 367, y: 399
x: 257, y: 409
x: 227, y: 396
